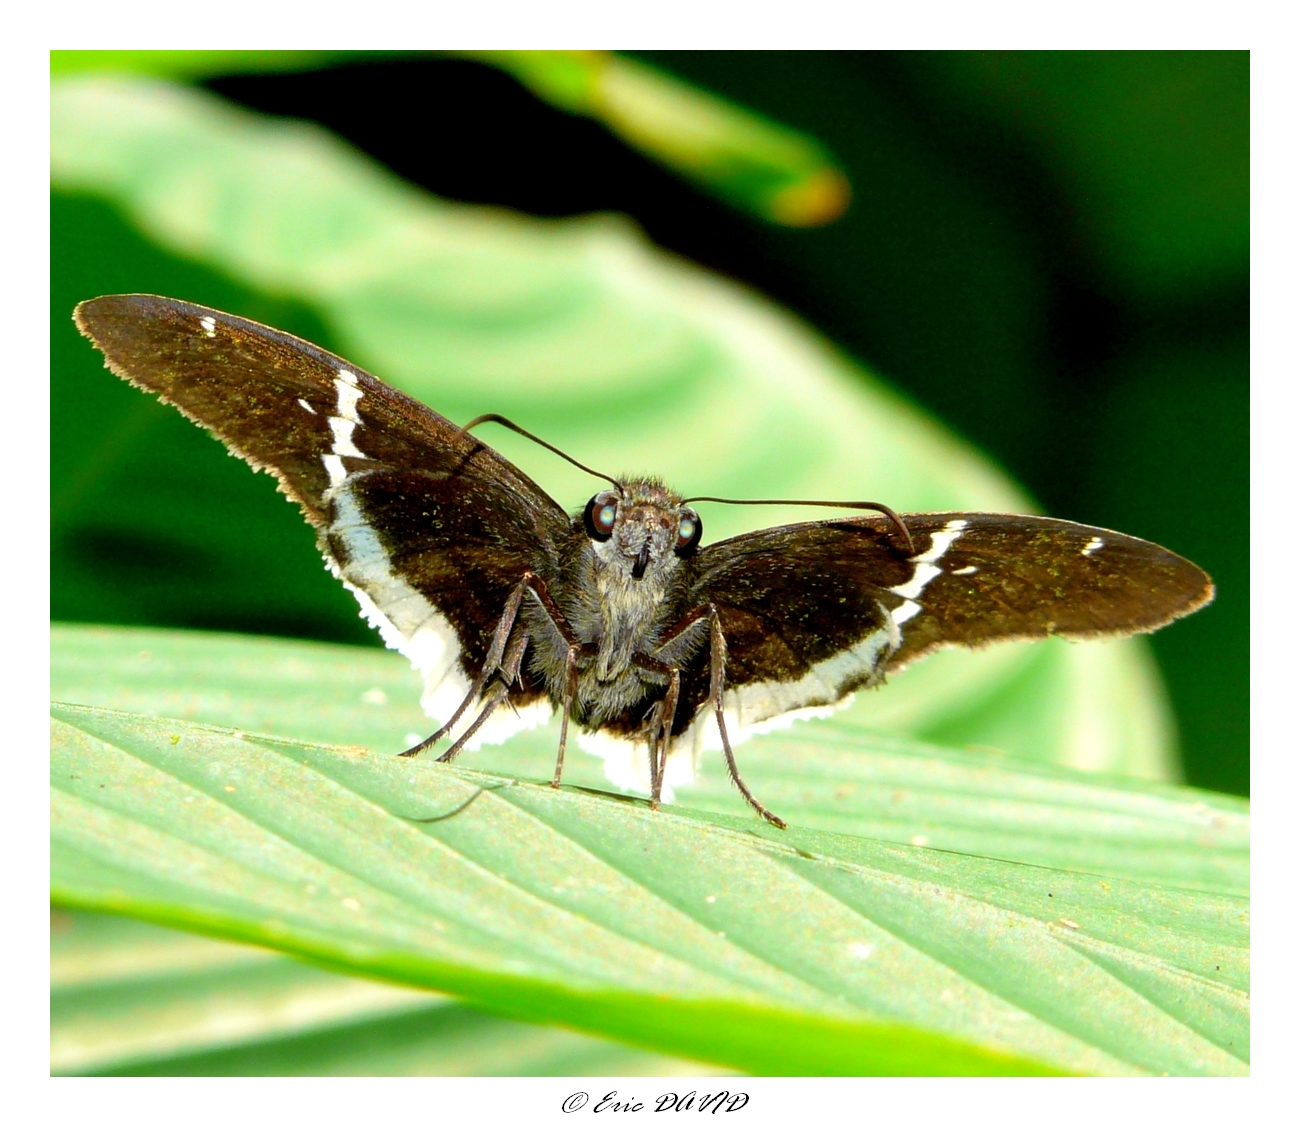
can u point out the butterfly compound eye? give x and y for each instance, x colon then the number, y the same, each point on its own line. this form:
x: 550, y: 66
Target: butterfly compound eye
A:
x: 689, y: 530
x: 598, y: 517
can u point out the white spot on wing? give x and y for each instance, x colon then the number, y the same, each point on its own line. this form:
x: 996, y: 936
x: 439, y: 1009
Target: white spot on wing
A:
x: 209, y: 326
x: 1093, y: 545
x: 941, y: 541
x: 306, y: 406
x: 904, y: 611
x: 343, y: 444
x: 926, y: 570
x: 920, y: 578
x: 334, y: 467
x: 349, y: 394
x: 341, y: 426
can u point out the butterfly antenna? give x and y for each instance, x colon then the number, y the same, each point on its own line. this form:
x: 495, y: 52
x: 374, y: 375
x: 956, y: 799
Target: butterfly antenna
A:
x: 503, y: 421
x: 875, y: 506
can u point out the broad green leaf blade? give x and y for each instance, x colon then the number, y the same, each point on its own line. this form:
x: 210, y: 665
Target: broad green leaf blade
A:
x: 755, y: 164
x: 693, y: 933
x: 769, y: 169
x: 122, y: 992
x: 129, y: 997
x: 820, y: 774
x: 200, y: 64
x: 581, y: 331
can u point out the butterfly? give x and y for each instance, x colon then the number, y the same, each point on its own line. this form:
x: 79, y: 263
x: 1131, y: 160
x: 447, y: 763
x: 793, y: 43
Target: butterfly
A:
x: 619, y: 617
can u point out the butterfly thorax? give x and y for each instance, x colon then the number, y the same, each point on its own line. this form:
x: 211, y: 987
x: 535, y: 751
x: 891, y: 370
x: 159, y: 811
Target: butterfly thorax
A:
x: 618, y: 595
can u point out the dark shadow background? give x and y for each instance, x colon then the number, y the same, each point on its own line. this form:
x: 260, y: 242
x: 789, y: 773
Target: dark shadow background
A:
x: 1049, y: 251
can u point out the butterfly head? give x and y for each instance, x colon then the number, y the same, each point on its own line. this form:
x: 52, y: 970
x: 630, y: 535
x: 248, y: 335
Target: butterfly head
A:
x: 641, y: 528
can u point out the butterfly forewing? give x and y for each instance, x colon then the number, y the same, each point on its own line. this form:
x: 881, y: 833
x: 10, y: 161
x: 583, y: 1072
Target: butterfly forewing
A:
x: 997, y: 577
x: 813, y: 611
x: 430, y: 528
x: 285, y: 404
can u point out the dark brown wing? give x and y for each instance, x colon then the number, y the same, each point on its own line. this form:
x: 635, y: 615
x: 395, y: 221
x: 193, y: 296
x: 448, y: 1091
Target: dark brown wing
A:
x: 813, y: 611
x: 1005, y: 577
x: 430, y: 528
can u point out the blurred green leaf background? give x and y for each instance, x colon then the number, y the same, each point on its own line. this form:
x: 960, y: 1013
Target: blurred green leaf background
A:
x: 1046, y: 251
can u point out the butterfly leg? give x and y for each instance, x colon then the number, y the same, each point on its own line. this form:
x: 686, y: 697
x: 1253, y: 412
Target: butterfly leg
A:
x: 661, y: 723
x: 658, y: 740
x: 575, y: 650
x: 570, y: 692
x: 717, y: 685
x: 493, y: 662
x: 671, y: 640
x: 496, y: 695
x: 491, y: 701
x: 659, y: 753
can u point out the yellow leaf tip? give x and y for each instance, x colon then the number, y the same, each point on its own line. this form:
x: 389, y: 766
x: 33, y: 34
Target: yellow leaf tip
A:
x: 812, y: 202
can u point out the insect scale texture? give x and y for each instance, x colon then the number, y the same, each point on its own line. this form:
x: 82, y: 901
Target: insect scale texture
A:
x: 618, y: 618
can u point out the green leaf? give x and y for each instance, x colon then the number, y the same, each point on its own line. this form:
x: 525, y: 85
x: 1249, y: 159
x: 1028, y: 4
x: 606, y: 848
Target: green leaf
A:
x: 755, y: 164
x: 781, y: 175
x: 702, y: 934
x: 130, y: 998
x: 815, y: 773
x: 201, y: 64
x: 580, y: 330
x: 122, y: 992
